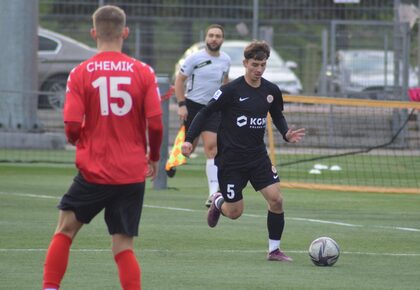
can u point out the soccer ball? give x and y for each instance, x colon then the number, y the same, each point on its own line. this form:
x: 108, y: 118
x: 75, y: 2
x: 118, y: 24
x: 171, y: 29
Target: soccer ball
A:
x: 324, y: 251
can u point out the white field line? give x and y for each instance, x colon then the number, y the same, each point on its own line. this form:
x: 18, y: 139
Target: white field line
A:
x: 29, y: 195
x: 169, y: 208
x: 248, y: 215
x: 212, y: 250
x: 326, y: 222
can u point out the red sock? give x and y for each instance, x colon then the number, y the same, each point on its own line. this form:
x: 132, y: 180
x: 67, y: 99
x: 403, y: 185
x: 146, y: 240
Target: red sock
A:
x: 56, y: 260
x: 129, y: 270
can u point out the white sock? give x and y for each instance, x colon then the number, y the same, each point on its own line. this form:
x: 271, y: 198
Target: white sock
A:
x: 218, y: 203
x: 273, y: 245
x: 211, y: 171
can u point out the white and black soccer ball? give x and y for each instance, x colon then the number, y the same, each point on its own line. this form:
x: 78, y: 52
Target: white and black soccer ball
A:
x: 324, y: 251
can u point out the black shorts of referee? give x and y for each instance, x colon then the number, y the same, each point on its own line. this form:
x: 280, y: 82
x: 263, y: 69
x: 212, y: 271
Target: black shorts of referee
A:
x: 212, y: 123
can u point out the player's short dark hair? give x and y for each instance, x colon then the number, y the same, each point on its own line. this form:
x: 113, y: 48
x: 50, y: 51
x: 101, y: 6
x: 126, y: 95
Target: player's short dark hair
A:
x: 258, y: 50
x: 109, y: 22
x: 216, y: 26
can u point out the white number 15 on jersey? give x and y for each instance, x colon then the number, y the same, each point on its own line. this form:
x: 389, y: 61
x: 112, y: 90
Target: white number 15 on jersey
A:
x: 114, y: 92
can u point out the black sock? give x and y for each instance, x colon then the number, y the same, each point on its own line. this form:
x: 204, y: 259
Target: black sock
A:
x: 275, y: 225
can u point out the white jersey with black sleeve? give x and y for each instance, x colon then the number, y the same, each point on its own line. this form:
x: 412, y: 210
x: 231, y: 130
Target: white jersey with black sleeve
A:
x: 205, y: 74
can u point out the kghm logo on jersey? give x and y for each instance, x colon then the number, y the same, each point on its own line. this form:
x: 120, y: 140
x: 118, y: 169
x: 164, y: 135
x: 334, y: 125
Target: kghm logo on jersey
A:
x: 270, y: 99
x: 241, y: 121
x: 254, y: 123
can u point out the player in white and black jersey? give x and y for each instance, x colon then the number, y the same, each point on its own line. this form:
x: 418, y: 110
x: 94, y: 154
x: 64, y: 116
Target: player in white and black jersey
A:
x: 242, y: 155
x: 202, y: 73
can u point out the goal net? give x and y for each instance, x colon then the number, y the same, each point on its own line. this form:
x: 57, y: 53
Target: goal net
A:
x: 350, y: 145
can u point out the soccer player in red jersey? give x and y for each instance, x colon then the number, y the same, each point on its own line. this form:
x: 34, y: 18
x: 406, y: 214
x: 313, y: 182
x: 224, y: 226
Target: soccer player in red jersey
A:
x: 112, y: 102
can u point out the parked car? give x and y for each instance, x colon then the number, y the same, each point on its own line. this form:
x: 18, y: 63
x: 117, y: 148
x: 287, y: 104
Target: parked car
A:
x: 57, y: 56
x: 278, y: 71
x: 361, y: 73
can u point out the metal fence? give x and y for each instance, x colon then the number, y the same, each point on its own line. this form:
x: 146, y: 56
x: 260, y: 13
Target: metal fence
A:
x: 308, y: 32
x: 313, y: 34
x: 162, y: 30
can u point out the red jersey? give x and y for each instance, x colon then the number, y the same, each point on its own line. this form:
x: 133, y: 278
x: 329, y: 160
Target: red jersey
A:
x: 112, y: 94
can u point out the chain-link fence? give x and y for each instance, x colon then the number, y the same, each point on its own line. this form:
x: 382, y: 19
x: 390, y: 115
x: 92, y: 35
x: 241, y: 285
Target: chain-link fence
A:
x: 162, y: 30
x: 311, y: 36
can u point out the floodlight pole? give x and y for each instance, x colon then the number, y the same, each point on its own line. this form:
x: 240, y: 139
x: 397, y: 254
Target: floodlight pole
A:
x: 255, y: 20
x: 397, y: 49
x: 418, y: 48
x: 18, y: 65
x: 161, y: 181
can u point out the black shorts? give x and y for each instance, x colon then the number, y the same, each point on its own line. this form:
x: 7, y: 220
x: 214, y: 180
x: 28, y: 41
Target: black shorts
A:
x: 122, y: 203
x: 211, y: 124
x: 232, y: 180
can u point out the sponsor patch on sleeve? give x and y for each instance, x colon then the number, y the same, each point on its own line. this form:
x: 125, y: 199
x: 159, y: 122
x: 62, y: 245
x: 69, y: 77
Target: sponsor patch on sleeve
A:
x: 217, y: 94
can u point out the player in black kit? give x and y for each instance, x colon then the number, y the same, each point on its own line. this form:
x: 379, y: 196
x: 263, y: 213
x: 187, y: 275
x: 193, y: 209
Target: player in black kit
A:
x: 242, y: 155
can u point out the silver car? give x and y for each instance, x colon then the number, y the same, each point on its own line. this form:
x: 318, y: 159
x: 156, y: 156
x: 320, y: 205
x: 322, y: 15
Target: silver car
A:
x: 362, y: 73
x: 57, y: 56
x: 278, y: 71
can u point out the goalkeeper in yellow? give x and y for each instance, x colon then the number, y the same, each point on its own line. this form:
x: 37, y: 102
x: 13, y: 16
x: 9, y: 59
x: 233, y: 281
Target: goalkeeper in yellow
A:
x: 242, y: 155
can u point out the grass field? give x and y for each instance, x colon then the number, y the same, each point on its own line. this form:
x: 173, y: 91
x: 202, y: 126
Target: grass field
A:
x: 379, y: 235
x: 383, y: 169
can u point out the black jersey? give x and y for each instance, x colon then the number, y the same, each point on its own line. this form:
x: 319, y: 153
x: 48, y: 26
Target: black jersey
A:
x: 240, y: 137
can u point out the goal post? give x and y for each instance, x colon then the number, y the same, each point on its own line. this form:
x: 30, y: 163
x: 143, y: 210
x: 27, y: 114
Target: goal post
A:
x: 271, y: 142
